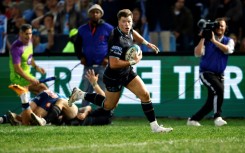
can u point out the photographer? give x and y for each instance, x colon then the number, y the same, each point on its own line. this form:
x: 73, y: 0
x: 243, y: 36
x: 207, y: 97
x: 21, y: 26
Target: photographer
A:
x: 214, y: 56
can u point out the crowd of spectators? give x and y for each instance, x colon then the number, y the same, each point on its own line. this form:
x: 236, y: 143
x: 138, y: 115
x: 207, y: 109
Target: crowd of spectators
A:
x: 171, y: 24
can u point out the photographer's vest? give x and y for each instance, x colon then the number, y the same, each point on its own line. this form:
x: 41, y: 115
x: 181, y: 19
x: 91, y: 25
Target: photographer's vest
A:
x: 214, y: 60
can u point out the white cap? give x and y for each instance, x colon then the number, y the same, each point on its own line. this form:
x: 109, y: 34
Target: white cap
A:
x: 96, y: 6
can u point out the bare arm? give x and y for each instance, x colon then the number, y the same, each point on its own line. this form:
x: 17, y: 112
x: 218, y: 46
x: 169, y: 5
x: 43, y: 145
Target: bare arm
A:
x: 39, y: 69
x: 93, y: 79
x: 19, y: 70
x: 199, y: 49
x: 84, y: 112
x: 138, y: 38
x: 229, y: 48
x: 36, y: 20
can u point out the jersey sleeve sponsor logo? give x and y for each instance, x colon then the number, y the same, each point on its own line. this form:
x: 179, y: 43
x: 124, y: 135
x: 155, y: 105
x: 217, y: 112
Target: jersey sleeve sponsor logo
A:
x: 116, y: 50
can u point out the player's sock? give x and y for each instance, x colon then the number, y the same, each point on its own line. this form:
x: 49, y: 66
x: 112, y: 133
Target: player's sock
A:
x: 95, y: 99
x: 24, y: 98
x: 25, y: 106
x: 24, y: 101
x: 148, y: 111
x: 53, y: 115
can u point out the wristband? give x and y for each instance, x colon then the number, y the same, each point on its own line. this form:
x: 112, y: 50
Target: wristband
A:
x: 132, y: 62
x: 145, y: 42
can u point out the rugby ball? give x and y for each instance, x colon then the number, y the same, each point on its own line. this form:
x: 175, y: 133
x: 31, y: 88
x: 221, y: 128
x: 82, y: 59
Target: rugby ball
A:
x: 132, y: 51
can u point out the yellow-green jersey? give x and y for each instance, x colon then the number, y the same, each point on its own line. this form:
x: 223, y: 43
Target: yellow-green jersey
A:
x: 20, y: 54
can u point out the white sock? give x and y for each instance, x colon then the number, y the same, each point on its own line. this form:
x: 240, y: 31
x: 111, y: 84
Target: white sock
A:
x: 154, y: 123
x: 24, y: 98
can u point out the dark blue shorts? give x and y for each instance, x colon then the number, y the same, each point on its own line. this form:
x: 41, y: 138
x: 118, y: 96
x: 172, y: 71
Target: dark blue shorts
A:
x: 45, y: 99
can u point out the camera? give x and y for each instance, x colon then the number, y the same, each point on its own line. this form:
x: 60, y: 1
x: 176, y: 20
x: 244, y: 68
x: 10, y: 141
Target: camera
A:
x: 207, y: 28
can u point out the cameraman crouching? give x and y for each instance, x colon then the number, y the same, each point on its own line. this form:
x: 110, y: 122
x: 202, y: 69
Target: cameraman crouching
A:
x: 214, y: 57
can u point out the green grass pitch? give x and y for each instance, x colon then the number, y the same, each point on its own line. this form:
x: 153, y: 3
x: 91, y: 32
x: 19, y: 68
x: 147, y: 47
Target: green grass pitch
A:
x: 125, y: 135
